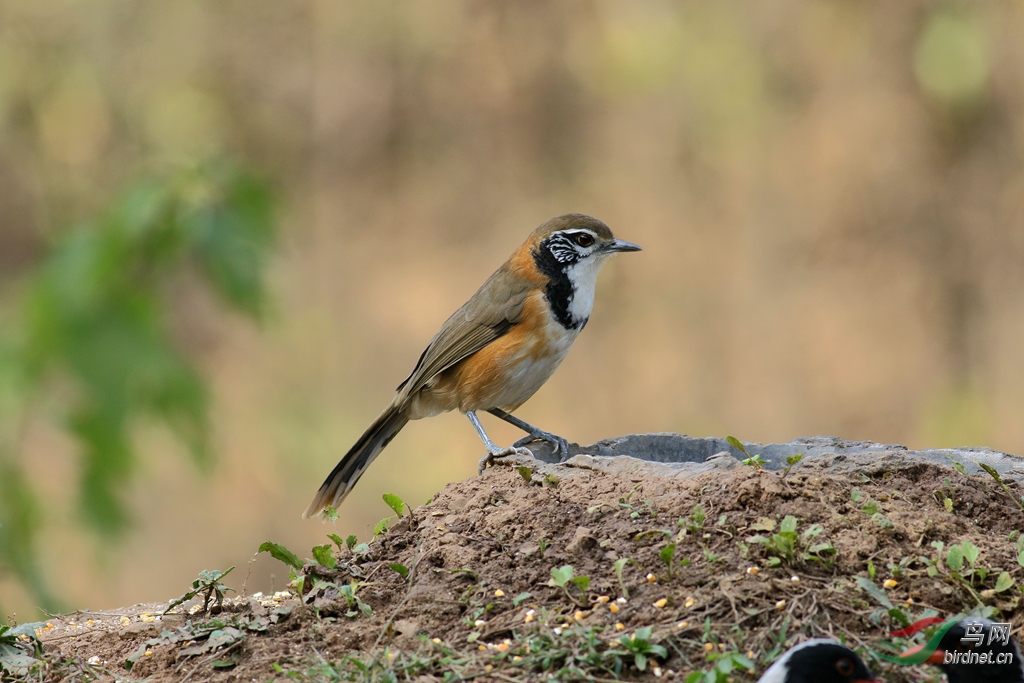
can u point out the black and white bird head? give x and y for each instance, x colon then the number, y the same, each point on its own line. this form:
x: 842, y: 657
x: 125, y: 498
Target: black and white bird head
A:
x: 569, y: 250
x: 1003, y: 660
x: 818, y: 661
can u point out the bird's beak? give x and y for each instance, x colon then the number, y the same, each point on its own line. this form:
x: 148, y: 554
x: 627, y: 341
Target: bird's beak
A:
x: 936, y: 657
x: 621, y: 245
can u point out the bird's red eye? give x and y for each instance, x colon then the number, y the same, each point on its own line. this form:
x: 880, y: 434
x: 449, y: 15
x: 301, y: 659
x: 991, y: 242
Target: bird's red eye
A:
x: 845, y: 667
x: 584, y: 239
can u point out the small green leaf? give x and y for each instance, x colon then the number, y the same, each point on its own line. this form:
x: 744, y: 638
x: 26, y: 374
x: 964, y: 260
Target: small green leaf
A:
x: 400, y: 569
x: 525, y: 472
x: 323, y: 555
x: 856, y: 496
x: 281, y: 553
x: 382, y: 527
x: 1004, y: 582
x: 959, y: 466
x: 764, y: 524
x: 874, y: 591
x: 516, y: 601
x: 351, y: 541
x: 870, y: 508
x: 667, y: 554
x: 736, y: 443
x: 955, y: 558
x: 788, y: 524
x: 794, y: 459
x: 582, y: 582
x: 991, y: 472
x: 971, y: 552
x: 561, y: 576
x: 394, y: 502
x: 330, y: 513
x: 338, y: 541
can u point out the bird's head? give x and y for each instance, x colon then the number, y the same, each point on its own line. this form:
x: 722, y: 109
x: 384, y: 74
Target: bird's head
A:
x: 819, y: 661
x: 574, y: 239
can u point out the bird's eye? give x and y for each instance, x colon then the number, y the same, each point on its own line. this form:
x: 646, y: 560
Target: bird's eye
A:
x: 845, y: 667
x: 584, y: 239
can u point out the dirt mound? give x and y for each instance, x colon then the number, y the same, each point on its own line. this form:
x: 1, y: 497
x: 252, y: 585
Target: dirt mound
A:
x: 518, y: 575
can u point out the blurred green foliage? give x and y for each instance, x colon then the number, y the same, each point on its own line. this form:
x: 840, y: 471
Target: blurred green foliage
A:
x: 93, y: 339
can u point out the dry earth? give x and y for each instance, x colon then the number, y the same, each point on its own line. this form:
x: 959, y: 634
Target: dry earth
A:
x: 477, y: 603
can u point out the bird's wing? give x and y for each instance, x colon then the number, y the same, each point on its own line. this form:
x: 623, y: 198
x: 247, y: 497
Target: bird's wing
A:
x: 489, y: 314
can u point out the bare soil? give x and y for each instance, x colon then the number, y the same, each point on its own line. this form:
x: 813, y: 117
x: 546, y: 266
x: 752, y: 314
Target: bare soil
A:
x: 481, y: 544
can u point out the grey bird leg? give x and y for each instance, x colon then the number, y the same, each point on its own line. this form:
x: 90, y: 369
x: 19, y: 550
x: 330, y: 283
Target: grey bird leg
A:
x: 494, y: 451
x: 561, y: 445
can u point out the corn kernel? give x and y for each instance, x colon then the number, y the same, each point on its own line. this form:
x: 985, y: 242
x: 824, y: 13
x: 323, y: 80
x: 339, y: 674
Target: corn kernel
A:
x: 579, y: 616
x: 753, y: 571
x: 620, y: 600
x: 613, y: 608
x: 708, y: 647
x: 781, y: 604
x: 436, y: 641
x: 619, y: 626
x: 890, y: 583
x: 603, y: 598
x: 682, y: 624
x: 651, y: 578
x: 499, y: 593
x: 689, y: 602
x: 661, y: 603
x: 482, y: 648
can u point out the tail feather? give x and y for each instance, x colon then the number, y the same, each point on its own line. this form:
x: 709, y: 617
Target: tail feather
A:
x: 347, y: 472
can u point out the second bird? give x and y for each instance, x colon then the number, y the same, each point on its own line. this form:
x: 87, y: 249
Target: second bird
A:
x: 497, y: 350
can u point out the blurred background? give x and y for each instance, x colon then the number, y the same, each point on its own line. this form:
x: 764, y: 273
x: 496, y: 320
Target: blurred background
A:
x: 830, y: 197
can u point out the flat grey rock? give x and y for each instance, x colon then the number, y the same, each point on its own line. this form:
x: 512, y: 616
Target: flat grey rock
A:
x: 678, y: 455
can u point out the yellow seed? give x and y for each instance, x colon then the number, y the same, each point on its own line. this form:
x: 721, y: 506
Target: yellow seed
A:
x: 682, y: 624
x: 689, y: 602
x: 619, y: 626
x: 661, y: 603
x: 436, y: 641
x: 651, y: 578
x: 781, y: 604
x: 708, y: 647
x: 517, y: 658
x: 613, y: 608
x: 890, y: 583
x: 391, y: 655
x: 149, y: 653
x: 488, y: 668
x: 795, y: 578
x: 499, y: 593
x: 528, y: 618
x: 579, y: 615
x: 753, y: 571
x: 721, y: 647
x: 482, y: 648
x: 501, y: 647
x: 603, y: 598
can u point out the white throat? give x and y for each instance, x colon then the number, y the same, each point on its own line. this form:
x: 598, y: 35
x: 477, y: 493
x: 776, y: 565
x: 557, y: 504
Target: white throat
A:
x: 583, y: 276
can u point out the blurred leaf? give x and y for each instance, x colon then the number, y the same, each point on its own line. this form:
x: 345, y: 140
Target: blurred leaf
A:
x: 281, y: 553
x: 395, y: 503
x: 952, y: 60
x: 96, y: 321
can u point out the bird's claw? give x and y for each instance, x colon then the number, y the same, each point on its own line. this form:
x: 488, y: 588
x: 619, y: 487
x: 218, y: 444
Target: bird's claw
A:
x: 493, y: 457
x: 560, y: 444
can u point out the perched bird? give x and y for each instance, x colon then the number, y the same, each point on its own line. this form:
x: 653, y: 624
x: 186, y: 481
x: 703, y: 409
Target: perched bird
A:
x: 818, y: 661
x: 1003, y: 665
x: 497, y: 350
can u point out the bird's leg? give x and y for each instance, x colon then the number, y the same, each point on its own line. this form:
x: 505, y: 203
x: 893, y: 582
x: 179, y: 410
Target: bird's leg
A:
x: 561, y: 445
x: 494, y: 451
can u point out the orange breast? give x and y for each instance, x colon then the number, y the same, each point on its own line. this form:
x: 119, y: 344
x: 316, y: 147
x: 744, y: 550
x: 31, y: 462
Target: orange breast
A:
x: 506, y: 372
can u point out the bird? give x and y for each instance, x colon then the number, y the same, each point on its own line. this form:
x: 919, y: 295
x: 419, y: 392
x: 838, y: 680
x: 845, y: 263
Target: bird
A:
x: 818, y: 661
x: 1007, y: 667
x: 498, y: 349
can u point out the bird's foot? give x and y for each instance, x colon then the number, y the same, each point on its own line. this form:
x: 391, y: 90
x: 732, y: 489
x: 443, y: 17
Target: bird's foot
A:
x: 494, y: 456
x: 560, y: 445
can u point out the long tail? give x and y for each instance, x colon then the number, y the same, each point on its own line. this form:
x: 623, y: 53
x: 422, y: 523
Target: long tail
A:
x: 347, y: 472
